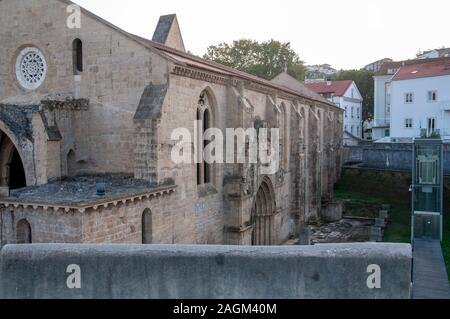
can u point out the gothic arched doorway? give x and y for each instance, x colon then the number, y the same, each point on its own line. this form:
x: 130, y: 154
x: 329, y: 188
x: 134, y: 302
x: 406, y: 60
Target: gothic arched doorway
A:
x: 263, y: 213
x: 12, y: 172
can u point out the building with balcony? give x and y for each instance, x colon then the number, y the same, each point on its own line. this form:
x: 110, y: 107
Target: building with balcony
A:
x: 420, y: 100
x: 383, y: 94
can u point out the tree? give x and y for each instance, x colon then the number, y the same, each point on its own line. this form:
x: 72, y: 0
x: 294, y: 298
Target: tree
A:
x: 365, y: 83
x: 263, y: 59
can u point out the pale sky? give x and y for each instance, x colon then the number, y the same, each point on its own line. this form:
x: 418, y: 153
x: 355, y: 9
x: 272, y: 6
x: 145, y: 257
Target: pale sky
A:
x: 344, y: 33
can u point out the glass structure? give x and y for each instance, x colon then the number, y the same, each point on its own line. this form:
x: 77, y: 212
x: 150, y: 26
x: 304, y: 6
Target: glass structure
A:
x: 427, y: 189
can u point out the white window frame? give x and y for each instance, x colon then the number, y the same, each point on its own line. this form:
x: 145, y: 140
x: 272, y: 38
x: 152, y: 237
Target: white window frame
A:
x: 409, y: 101
x: 409, y: 123
x: 428, y: 96
x: 429, y: 130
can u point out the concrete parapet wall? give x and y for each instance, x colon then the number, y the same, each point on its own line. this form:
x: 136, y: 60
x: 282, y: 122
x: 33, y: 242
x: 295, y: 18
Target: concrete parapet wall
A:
x: 190, y: 272
x: 393, y: 156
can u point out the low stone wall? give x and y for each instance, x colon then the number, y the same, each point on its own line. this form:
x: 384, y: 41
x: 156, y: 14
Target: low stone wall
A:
x: 393, y: 156
x: 384, y: 183
x: 190, y: 272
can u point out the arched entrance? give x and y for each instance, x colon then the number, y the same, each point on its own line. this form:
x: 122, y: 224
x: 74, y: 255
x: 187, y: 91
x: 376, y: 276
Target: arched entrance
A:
x: 263, y: 213
x: 24, y: 232
x: 12, y: 172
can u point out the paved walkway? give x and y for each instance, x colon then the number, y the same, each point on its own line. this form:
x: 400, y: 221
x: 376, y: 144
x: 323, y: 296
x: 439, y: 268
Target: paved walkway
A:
x: 430, y: 280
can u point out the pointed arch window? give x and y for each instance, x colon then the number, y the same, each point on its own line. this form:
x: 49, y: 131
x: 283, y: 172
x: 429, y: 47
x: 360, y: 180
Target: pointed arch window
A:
x: 205, y: 118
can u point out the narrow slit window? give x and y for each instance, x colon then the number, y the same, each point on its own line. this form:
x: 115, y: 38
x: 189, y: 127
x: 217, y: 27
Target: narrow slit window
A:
x: 77, y: 56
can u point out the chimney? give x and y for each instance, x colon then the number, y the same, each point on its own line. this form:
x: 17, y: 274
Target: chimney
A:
x: 329, y: 82
x: 168, y: 33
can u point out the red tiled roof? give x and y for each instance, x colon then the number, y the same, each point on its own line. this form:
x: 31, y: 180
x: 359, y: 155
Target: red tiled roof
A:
x: 435, y: 67
x: 337, y: 87
x: 197, y: 62
x: 398, y: 64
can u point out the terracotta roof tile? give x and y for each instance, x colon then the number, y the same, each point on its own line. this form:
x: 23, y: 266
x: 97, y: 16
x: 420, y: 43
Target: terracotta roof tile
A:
x: 436, y: 67
x: 337, y: 87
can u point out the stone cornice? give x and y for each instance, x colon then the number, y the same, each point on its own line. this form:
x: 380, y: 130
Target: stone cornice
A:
x: 200, y: 75
x: 92, y: 205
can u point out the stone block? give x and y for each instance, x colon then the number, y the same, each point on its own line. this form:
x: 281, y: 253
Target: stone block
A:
x: 4, y: 191
x: 380, y: 222
x: 384, y: 214
x: 305, y: 236
x: 332, y: 212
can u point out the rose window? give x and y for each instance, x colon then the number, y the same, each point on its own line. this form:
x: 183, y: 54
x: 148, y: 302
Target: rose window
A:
x: 31, y: 68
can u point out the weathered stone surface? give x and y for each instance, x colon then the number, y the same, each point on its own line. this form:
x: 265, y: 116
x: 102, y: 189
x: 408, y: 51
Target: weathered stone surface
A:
x: 343, y: 231
x: 130, y: 271
x: 77, y: 190
x: 332, y: 212
x: 384, y: 214
x: 118, y: 115
x: 380, y: 222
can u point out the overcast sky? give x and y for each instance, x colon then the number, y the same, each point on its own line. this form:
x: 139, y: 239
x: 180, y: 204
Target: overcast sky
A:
x: 344, y: 33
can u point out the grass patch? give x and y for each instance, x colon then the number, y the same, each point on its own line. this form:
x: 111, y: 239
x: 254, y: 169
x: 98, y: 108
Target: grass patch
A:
x: 362, y: 192
x: 360, y: 204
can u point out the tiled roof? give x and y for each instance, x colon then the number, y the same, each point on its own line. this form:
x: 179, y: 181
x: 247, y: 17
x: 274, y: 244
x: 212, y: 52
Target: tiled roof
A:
x: 337, y: 87
x: 284, y: 79
x: 197, y: 62
x: 398, y: 64
x: 435, y: 67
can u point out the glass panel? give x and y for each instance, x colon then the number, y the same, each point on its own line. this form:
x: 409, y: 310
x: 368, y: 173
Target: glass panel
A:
x: 427, y: 199
x: 427, y: 226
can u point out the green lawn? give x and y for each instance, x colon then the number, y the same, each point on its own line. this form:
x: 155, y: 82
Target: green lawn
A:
x: 364, y: 200
x: 399, y: 228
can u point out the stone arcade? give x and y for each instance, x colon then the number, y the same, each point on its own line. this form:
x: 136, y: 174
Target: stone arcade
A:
x: 96, y: 104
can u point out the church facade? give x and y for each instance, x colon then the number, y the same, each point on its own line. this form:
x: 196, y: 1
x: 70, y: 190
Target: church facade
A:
x: 87, y: 114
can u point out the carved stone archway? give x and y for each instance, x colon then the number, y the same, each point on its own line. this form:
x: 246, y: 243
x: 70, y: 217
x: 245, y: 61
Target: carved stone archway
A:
x: 263, y: 214
x: 12, y: 172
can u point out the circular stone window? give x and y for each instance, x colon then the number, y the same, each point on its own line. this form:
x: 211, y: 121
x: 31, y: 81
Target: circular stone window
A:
x: 31, y: 68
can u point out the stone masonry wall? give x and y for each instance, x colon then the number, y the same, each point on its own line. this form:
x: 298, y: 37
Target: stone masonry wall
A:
x: 47, y: 226
x: 116, y: 71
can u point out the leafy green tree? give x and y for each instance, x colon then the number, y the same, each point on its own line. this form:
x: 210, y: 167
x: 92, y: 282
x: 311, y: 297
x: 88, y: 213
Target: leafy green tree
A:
x: 365, y: 83
x: 263, y: 59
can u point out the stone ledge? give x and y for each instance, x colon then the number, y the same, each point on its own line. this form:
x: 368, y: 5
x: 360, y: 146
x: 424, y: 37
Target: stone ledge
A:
x: 206, y: 272
x: 94, y: 205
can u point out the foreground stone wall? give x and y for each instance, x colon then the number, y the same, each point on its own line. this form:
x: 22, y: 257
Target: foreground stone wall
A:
x: 188, y: 272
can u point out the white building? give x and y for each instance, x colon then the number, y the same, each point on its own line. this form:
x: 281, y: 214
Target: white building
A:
x: 322, y: 68
x: 420, y: 100
x: 436, y: 53
x: 376, y: 66
x: 346, y: 95
x: 383, y: 94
